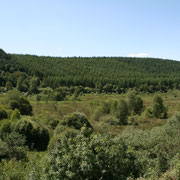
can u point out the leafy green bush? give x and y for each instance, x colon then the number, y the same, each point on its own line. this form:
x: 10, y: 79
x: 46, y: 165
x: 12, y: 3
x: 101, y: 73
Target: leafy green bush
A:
x: 90, y: 157
x: 12, y: 145
x: 37, y: 137
x: 135, y: 103
x: 158, y: 110
x: 14, y: 99
x: 61, y: 129
x: 155, y: 149
x: 6, y: 128
x: 60, y: 133
x: 12, y: 170
x: 23, y: 105
x: 122, y: 112
x: 75, y: 120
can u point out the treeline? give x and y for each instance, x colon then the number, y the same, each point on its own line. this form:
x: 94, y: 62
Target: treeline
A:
x: 108, y: 74
x: 9, y: 69
x: 95, y: 74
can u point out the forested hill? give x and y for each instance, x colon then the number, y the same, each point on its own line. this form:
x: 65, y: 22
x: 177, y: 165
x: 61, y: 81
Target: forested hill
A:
x: 108, y: 74
x: 100, y: 71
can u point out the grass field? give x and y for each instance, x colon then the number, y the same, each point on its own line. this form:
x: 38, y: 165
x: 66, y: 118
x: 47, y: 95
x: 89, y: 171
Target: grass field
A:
x: 47, y: 111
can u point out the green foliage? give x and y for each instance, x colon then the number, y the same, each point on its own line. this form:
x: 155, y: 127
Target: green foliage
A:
x: 108, y: 88
x: 110, y: 120
x: 12, y: 145
x: 106, y: 106
x: 34, y: 85
x: 60, y: 129
x: 15, y: 115
x: 6, y: 128
x: 12, y: 170
x: 9, y: 86
x: 157, y: 109
x: 15, y: 100
x: 12, y: 95
x: 75, y: 120
x: 37, y: 136
x: 92, y: 157
x: 22, y: 85
x: 76, y: 93
x: 122, y: 112
x: 22, y: 104
x: 135, y: 103
x: 3, y: 114
x: 155, y: 149
x: 3, y: 54
x: 60, y: 133
x: 58, y: 95
x: 103, y: 74
x: 75, y: 152
x: 108, y: 74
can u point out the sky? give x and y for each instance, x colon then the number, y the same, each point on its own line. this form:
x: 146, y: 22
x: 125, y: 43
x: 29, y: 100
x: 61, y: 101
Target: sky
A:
x: 136, y: 28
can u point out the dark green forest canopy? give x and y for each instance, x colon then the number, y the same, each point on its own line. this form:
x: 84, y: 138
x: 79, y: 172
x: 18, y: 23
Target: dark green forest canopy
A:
x: 110, y: 74
x: 121, y: 71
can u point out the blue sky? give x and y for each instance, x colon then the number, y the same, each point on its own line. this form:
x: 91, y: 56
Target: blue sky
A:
x: 91, y: 27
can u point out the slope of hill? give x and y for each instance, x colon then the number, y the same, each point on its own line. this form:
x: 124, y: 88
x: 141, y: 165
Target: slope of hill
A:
x: 99, y: 71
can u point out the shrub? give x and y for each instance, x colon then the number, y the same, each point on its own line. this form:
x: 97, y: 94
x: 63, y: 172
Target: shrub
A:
x: 15, y: 100
x: 155, y: 149
x: 37, y: 137
x: 12, y: 145
x: 12, y: 170
x: 12, y: 95
x: 60, y: 129
x: 60, y: 133
x: 122, y: 112
x: 75, y: 120
x: 6, y: 128
x: 3, y: 114
x: 135, y: 103
x: 158, y: 110
x: 90, y: 157
x: 23, y: 105
x: 106, y: 106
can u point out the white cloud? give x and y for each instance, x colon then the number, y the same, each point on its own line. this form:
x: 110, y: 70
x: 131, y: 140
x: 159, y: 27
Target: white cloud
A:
x: 138, y: 55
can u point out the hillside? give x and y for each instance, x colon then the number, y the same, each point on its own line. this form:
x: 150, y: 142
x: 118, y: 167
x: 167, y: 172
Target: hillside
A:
x: 142, y: 73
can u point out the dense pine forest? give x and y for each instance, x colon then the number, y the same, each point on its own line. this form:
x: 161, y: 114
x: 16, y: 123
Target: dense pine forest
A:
x: 92, y: 118
x: 104, y: 73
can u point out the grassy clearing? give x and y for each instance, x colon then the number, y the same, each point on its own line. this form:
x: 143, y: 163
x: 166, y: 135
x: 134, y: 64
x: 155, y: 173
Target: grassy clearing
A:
x: 46, y: 111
